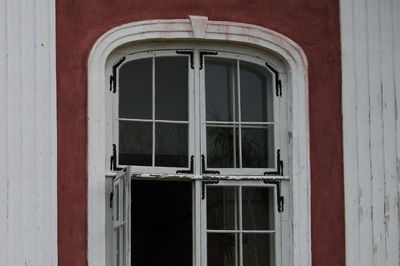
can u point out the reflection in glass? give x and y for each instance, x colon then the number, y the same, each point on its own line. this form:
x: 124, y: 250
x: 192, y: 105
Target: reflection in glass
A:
x: 221, y: 89
x: 222, y: 208
x: 171, y: 88
x: 258, y: 249
x: 222, y: 147
x: 135, y: 89
x: 135, y: 143
x: 255, y: 93
x: 171, y: 145
x: 222, y: 249
x: 257, y: 208
x: 258, y: 147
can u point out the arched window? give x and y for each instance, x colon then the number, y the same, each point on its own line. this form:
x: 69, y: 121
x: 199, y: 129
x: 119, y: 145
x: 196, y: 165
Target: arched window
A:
x: 202, y: 128
x: 214, y: 123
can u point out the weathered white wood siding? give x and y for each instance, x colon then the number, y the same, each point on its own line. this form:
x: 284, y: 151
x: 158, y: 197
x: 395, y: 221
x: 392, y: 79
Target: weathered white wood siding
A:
x: 371, y: 105
x: 28, y: 199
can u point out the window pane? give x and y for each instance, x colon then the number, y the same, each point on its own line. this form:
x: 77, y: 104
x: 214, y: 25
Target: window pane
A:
x: 258, y: 147
x: 171, y: 85
x: 118, y: 247
x: 222, y: 208
x: 135, y: 89
x: 258, y: 212
x: 221, y: 89
x: 222, y: 147
x: 135, y: 143
x: 258, y: 249
x: 171, y: 145
x: 255, y: 93
x: 222, y: 249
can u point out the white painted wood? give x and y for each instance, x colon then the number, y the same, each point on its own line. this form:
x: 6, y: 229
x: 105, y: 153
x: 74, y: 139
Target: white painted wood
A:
x: 370, y: 75
x: 28, y: 182
x: 226, y: 31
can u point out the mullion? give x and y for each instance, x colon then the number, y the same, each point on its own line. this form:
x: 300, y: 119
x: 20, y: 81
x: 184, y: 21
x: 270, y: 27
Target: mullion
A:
x: 153, y: 148
x: 239, y: 115
x: 240, y: 228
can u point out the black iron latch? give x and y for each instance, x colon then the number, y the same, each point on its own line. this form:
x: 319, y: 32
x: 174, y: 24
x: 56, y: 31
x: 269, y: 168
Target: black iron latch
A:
x: 280, y: 199
x: 203, y: 187
x: 278, y: 83
x: 203, y: 167
x: 113, y: 159
x: 113, y: 77
x: 191, y: 55
x: 279, y: 165
x: 202, y: 54
x: 190, y: 171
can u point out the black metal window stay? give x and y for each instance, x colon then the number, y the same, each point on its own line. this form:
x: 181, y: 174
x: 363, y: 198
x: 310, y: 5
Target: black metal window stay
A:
x: 278, y: 83
x: 113, y: 77
x: 279, y: 165
x: 201, y: 57
x: 280, y: 199
x: 191, y: 55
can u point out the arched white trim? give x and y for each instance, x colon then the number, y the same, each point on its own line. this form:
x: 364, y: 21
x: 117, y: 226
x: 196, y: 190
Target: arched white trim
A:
x: 192, y: 29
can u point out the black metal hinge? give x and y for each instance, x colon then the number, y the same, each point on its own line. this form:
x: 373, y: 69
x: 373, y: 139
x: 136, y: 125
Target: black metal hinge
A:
x: 203, y: 187
x: 278, y: 83
x: 113, y: 77
x: 111, y: 199
x: 280, y: 199
x: 202, y: 54
x: 191, y: 55
x: 203, y: 167
x: 279, y: 165
x: 190, y: 171
x: 113, y: 159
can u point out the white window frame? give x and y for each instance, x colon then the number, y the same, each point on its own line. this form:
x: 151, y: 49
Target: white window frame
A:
x: 191, y: 29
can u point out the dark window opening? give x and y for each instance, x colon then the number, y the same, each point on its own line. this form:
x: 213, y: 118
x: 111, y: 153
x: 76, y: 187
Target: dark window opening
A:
x: 161, y: 223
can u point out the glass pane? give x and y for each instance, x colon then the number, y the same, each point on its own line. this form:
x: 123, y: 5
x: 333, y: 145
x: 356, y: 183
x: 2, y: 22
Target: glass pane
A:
x: 258, y: 147
x: 118, y: 248
x: 123, y: 245
x: 222, y: 208
x: 171, y: 145
x: 135, y: 143
x: 222, y: 249
x: 257, y: 208
x: 135, y: 89
x: 171, y: 88
x: 258, y: 250
x: 123, y: 191
x: 255, y: 93
x: 222, y: 147
x: 116, y: 202
x: 221, y: 89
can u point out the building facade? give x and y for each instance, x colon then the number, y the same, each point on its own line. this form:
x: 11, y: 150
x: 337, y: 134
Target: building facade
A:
x: 330, y: 74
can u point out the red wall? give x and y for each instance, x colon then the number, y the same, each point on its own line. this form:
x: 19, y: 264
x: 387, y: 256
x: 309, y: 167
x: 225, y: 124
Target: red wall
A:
x: 313, y: 24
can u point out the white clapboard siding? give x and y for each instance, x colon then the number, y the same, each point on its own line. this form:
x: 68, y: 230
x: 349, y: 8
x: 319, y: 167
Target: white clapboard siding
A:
x: 28, y: 180
x: 371, y: 104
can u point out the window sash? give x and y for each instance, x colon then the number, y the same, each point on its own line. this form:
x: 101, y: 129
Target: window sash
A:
x: 197, y: 142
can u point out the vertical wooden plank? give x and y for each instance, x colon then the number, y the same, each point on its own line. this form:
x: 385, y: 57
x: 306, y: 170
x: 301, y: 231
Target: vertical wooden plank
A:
x: 4, y: 207
x: 396, y: 58
x: 376, y: 132
x: 29, y: 122
x: 14, y: 133
x: 363, y: 123
x: 389, y: 134
x: 350, y: 133
x: 46, y: 132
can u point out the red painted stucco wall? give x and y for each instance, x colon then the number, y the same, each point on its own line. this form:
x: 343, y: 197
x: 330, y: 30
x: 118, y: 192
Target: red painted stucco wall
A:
x: 313, y: 24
